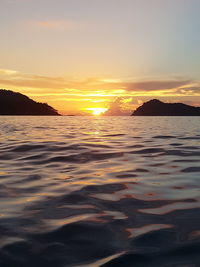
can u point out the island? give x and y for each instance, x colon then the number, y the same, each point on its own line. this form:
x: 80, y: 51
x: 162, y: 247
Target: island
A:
x: 14, y: 103
x: 156, y: 107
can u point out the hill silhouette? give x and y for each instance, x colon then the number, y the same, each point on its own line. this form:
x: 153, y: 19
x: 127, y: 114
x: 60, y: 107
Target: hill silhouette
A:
x: 157, y: 108
x: 13, y: 103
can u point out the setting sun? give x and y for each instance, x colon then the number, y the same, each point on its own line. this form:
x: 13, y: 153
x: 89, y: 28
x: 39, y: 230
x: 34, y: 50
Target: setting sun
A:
x: 97, y: 111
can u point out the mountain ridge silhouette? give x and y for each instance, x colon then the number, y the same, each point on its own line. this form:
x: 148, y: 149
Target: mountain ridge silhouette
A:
x: 15, y: 103
x: 156, y: 107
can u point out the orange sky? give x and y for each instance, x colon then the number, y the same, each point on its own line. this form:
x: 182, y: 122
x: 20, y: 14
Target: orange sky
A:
x: 80, y: 55
x: 72, y: 96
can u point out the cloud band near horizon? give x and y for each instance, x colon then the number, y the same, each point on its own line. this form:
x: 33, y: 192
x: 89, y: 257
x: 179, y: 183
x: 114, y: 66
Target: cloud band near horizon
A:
x: 70, y: 94
x: 22, y: 80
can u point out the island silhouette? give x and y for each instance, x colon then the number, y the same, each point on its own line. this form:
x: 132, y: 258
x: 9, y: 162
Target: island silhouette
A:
x: 14, y: 103
x: 156, y: 107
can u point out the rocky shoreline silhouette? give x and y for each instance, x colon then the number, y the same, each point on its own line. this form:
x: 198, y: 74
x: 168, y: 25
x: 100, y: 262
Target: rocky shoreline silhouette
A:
x: 13, y: 103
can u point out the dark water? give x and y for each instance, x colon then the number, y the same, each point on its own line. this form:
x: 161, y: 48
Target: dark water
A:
x: 92, y: 191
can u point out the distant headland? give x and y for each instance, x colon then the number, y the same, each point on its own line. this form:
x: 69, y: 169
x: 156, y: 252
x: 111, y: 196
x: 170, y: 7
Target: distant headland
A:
x: 157, y: 108
x: 13, y: 103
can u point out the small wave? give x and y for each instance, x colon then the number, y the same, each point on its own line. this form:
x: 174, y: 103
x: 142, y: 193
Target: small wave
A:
x: 94, y: 192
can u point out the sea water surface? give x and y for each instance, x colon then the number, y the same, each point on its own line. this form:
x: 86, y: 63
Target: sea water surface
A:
x: 99, y: 191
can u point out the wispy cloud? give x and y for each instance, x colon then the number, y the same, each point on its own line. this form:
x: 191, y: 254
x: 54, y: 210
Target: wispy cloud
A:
x: 155, y: 85
x: 18, y: 79
x: 117, y: 94
x: 97, y: 86
x: 56, y: 24
x: 7, y: 72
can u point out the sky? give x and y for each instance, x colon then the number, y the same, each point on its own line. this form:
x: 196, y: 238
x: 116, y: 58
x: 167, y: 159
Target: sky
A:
x: 84, y: 55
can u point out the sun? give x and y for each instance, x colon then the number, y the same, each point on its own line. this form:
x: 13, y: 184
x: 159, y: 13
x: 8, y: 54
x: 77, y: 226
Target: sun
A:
x: 97, y: 111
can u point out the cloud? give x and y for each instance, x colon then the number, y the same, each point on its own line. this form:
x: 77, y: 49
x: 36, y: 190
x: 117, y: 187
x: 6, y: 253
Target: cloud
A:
x: 18, y: 79
x: 18, y: 1
x: 119, y: 107
x: 56, y: 24
x: 120, y: 87
x: 7, y: 72
x: 97, y: 87
x: 189, y: 90
x: 155, y: 85
x: 118, y: 95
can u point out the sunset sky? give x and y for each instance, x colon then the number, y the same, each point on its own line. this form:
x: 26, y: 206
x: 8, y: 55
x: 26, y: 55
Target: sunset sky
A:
x: 78, y: 55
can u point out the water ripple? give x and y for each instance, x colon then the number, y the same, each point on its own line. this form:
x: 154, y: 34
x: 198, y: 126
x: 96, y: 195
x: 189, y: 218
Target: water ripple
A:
x: 115, y: 191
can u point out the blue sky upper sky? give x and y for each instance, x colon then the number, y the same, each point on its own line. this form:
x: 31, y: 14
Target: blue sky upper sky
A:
x: 114, y: 41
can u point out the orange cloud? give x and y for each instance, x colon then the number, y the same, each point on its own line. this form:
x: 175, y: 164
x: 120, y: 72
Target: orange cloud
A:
x: 155, y: 85
x: 7, y: 72
x: 96, y: 87
x: 71, y: 95
x: 18, y: 79
x: 56, y: 24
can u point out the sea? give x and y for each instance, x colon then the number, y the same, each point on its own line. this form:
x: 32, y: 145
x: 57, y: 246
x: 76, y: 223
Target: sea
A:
x: 99, y: 191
